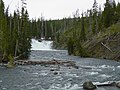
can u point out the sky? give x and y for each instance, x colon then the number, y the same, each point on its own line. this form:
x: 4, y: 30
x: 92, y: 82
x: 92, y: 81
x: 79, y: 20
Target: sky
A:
x: 53, y: 9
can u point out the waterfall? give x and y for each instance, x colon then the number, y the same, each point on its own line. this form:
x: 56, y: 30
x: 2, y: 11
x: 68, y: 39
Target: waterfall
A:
x: 43, y: 45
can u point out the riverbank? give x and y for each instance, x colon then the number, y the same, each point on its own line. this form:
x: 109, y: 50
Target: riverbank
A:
x: 105, y: 45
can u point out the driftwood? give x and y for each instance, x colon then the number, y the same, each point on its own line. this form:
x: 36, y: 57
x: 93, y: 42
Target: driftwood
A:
x: 107, y: 84
x: 90, y: 86
x: 17, y: 57
x: 117, y: 57
x: 106, y: 46
x: 51, y: 62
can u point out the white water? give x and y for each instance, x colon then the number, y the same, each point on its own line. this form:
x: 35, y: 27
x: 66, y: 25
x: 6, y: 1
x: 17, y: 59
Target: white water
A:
x: 44, y: 45
x: 98, y: 71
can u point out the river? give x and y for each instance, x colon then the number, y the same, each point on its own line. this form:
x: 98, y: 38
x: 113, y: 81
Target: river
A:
x: 37, y: 77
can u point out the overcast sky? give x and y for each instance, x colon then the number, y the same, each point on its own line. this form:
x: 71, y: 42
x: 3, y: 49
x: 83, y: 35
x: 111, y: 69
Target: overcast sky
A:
x: 53, y: 9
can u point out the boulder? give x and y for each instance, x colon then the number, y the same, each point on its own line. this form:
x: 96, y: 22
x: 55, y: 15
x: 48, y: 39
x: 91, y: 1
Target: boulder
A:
x: 118, y: 84
x: 89, y: 86
x: 52, y: 69
x: 55, y: 73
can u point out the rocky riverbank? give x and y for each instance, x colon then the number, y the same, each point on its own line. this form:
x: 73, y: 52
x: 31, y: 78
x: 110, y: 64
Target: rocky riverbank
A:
x: 90, y: 86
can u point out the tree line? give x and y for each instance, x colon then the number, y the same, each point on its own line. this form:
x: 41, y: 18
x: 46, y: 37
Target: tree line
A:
x: 85, y: 27
x: 71, y: 33
x: 17, y: 30
x: 15, y: 34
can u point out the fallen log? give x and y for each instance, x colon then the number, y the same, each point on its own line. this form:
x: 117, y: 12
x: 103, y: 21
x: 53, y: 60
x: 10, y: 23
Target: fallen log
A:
x: 51, y: 62
x: 107, y: 84
x: 17, y: 57
x: 106, y: 46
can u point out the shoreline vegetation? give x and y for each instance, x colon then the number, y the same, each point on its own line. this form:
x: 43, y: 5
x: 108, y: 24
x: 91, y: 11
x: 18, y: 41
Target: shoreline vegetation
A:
x: 105, y: 45
x: 94, y: 33
x: 15, y: 35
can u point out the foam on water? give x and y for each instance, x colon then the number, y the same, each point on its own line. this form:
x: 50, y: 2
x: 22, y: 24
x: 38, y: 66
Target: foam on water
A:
x: 99, y: 83
x: 68, y: 86
x: 105, y: 76
x: 118, y: 66
x: 106, y: 66
x: 71, y: 75
x: 44, y: 45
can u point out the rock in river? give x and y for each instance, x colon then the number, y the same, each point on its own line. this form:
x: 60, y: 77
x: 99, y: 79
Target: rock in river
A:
x: 118, y: 85
x: 89, y: 85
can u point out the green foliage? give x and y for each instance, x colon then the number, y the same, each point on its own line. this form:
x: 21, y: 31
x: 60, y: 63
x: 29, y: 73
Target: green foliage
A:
x: 82, y: 33
x: 92, y: 26
x: 24, y: 37
x: 11, y: 61
x: 115, y: 28
x: 82, y: 51
x: 118, y: 12
x: 69, y: 33
x: 110, y: 38
x: 109, y: 13
x: 70, y: 45
x: 15, y: 36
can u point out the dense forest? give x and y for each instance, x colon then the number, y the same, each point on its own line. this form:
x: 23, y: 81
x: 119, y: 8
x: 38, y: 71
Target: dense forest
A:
x: 80, y: 34
x: 94, y: 33
x: 15, y: 36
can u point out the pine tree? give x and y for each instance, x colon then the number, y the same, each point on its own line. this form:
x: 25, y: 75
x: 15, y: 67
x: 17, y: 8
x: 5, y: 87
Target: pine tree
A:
x: 82, y: 33
x: 3, y: 30
x: 70, y: 46
x: 1, y: 21
x: 118, y: 12
x: 108, y: 13
x: 25, y: 37
x: 15, y: 34
x: 39, y: 28
x: 90, y: 20
x: 16, y: 31
x: 95, y: 18
x: 100, y: 20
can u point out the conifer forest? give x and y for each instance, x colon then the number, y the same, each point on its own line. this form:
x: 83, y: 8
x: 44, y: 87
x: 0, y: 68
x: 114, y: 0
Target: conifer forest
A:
x: 77, y: 34
x: 76, y: 52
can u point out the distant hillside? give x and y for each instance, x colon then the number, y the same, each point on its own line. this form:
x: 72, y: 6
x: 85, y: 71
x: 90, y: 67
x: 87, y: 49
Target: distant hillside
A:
x: 95, y: 34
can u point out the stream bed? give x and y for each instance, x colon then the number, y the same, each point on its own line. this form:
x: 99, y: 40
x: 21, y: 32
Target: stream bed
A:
x: 43, y: 77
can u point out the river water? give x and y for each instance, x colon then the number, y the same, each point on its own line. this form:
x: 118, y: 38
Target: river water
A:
x: 37, y: 77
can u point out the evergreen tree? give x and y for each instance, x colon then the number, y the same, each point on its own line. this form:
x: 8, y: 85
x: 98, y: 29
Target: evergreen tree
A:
x: 118, y: 12
x: 95, y: 18
x: 1, y: 21
x: 70, y: 46
x: 82, y: 34
x: 16, y: 31
x: 25, y: 37
x: 100, y: 20
x: 3, y: 31
x: 90, y: 20
x: 39, y: 28
x: 108, y: 13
